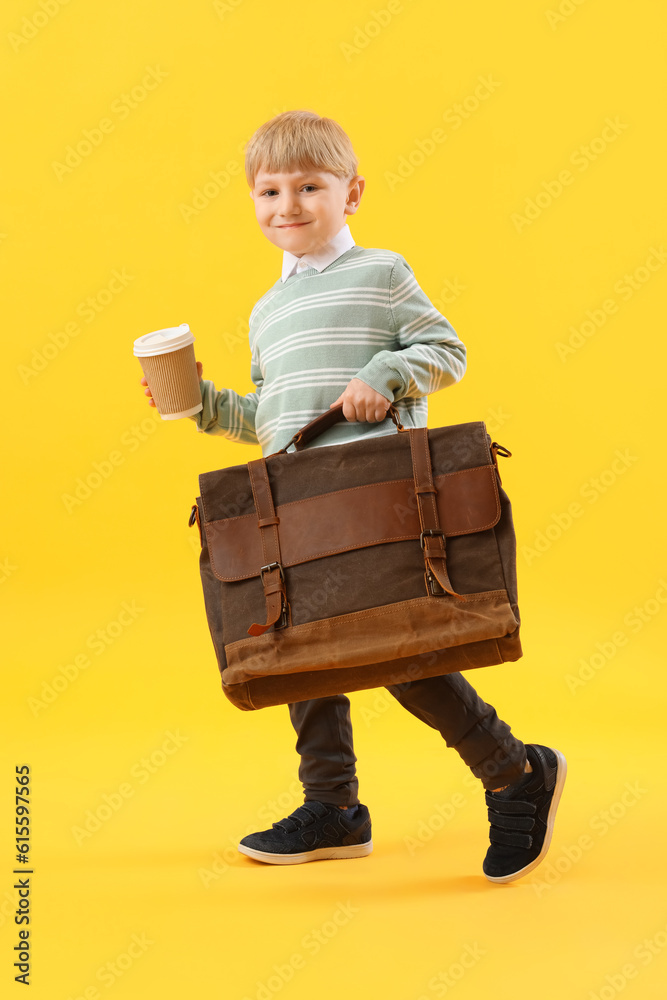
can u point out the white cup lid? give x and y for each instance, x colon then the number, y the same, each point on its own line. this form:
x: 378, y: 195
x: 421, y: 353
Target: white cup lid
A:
x: 172, y: 338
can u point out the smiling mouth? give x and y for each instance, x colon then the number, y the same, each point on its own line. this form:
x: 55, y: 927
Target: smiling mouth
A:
x: 293, y: 225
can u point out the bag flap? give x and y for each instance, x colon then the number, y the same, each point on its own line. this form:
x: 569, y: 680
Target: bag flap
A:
x: 353, y: 518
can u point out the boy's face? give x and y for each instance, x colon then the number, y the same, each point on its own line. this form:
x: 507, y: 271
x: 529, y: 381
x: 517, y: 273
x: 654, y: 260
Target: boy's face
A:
x: 303, y: 211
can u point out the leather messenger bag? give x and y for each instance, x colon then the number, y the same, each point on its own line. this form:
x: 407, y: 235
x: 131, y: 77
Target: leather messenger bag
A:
x: 377, y: 562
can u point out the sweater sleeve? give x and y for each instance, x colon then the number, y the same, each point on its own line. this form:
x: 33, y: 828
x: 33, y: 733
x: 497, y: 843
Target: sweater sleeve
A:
x: 429, y: 357
x: 228, y: 413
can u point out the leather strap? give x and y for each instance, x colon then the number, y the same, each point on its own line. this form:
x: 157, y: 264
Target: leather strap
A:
x: 273, y: 580
x: 432, y: 536
x: 363, y: 516
x: 322, y: 423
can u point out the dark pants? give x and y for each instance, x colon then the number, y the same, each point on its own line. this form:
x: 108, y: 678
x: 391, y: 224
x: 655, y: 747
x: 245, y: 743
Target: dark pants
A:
x: 448, y: 703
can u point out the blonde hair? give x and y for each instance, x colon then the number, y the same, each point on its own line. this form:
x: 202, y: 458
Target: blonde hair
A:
x: 300, y: 140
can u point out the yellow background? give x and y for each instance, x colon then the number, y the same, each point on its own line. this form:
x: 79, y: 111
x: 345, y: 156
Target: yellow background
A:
x: 163, y: 865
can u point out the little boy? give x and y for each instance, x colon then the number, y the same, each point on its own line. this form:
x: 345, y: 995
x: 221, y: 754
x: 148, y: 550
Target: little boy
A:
x: 344, y: 324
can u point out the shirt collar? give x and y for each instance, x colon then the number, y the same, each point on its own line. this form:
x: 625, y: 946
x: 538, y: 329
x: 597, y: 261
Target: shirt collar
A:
x: 321, y: 258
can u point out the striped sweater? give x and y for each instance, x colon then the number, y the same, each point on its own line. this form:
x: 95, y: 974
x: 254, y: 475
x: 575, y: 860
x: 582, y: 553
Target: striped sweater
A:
x: 364, y: 316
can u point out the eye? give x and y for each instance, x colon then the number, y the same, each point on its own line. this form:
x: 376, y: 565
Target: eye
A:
x: 270, y: 191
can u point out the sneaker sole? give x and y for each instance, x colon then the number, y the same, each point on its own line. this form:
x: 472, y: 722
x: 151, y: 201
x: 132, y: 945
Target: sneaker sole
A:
x: 560, y: 781
x: 321, y: 854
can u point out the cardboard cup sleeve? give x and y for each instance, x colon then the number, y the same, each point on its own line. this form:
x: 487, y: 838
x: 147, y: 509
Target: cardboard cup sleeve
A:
x: 167, y: 358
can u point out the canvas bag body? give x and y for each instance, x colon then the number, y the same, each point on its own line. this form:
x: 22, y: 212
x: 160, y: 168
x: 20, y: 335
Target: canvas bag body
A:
x: 359, y: 612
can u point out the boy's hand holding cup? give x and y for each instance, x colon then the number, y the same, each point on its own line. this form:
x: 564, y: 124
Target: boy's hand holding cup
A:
x: 171, y: 373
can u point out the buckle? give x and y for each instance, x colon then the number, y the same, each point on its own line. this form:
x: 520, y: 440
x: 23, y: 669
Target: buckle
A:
x: 283, y: 620
x: 432, y: 586
x: 270, y: 566
x: 432, y: 532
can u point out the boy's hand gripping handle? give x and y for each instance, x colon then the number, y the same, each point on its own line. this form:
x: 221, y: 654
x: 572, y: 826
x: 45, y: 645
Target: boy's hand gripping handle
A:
x: 322, y: 423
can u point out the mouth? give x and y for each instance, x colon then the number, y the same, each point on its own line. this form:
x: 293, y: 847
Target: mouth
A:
x: 293, y: 225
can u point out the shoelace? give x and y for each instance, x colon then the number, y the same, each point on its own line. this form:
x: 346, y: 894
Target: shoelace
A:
x: 303, y: 816
x: 512, y: 821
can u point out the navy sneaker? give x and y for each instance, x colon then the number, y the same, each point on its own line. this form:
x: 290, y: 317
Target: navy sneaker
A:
x: 313, y: 832
x: 522, y: 816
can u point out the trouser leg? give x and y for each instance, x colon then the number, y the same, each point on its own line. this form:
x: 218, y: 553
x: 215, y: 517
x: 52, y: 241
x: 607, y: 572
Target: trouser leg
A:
x: 324, y: 742
x: 468, y: 724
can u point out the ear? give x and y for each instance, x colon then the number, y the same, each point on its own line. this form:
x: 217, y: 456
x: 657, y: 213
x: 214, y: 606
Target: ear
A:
x: 355, y: 191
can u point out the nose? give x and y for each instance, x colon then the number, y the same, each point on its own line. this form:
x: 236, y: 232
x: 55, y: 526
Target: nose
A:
x: 288, y: 205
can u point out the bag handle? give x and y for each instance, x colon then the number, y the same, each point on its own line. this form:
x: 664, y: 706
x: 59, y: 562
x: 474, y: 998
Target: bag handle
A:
x: 322, y: 423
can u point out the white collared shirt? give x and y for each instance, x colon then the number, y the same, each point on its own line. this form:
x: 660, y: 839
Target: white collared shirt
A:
x: 321, y: 258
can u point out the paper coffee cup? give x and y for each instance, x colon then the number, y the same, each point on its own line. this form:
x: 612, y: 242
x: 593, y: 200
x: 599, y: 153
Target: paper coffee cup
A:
x: 167, y: 358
